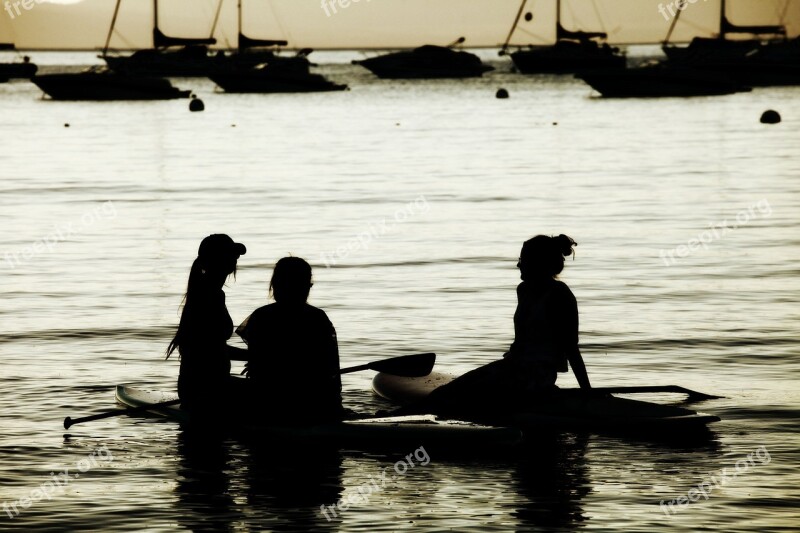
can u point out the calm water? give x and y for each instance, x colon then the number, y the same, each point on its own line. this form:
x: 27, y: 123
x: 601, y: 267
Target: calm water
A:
x: 101, y: 221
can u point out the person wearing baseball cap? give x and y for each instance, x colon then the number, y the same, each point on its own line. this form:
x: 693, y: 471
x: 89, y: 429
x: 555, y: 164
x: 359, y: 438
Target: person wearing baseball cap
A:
x: 205, y: 326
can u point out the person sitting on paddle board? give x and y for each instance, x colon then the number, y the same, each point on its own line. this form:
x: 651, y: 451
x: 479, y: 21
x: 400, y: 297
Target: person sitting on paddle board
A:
x: 545, y: 340
x: 206, y: 326
x: 293, y: 361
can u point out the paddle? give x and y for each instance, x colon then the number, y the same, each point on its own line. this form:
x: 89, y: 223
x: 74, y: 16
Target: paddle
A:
x: 406, y: 365
x: 693, y: 395
x: 69, y: 421
x: 410, y: 366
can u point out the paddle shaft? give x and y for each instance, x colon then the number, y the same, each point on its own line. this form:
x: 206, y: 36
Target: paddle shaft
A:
x: 654, y: 388
x: 352, y: 369
x: 117, y: 412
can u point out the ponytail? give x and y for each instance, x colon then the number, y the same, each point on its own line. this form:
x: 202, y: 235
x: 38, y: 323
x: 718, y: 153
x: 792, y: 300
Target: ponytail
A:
x: 192, y: 288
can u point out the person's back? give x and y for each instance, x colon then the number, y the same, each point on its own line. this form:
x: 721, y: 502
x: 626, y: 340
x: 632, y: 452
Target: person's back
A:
x: 207, y: 328
x: 546, y: 320
x: 294, y: 357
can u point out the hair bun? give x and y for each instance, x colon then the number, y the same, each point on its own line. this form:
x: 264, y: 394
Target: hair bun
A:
x: 565, y: 244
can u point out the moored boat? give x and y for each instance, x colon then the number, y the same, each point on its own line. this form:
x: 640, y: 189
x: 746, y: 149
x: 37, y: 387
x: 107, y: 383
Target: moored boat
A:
x: 102, y: 84
x: 426, y: 62
x: 191, y: 57
x: 274, y: 77
x: 18, y: 69
x: 719, y: 50
x: 660, y: 81
x: 765, y: 58
x: 24, y: 69
x: 573, y: 50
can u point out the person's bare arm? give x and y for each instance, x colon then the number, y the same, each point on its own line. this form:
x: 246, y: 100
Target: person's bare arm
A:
x: 237, y: 354
x: 571, y: 340
x: 578, y: 367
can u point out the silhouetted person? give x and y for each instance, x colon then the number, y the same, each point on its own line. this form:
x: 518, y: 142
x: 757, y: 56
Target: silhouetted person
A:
x: 293, y: 362
x: 545, y: 339
x: 206, y: 326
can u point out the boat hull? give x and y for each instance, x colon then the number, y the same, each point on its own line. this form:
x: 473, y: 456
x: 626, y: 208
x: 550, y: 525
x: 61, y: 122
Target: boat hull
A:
x: 17, y: 70
x: 265, y: 83
x: 427, y: 62
x: 106, y: 86
x: 651, y: 82
x: 190, y: 61
x: 567, y: 58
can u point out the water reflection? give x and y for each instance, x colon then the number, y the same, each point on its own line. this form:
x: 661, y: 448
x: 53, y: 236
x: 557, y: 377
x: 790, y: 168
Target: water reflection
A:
x: 292, y: 483
x: 203, y: 481
x: 225, y: 483
x: 552, y: 477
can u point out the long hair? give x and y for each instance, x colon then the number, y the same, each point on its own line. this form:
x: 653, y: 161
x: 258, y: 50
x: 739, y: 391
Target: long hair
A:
x: 193, y: 290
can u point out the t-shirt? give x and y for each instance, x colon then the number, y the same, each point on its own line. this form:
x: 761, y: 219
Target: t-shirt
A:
x: 294, y: 357
x: 545, y: 322
x: 205, y: 329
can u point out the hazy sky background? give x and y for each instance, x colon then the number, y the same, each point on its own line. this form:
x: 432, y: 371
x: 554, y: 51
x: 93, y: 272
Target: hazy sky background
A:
x: 83, y: 24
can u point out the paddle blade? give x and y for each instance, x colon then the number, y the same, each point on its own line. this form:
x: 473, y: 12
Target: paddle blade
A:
x: 410, y: 366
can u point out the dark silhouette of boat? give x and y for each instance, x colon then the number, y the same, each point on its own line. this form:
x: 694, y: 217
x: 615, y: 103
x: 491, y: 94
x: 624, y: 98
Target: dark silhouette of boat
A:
x: 659, y: 80
x: 426, y: 62
x: 767, y: 58
x: 191, y: 57
x: 573, y: 51
x: 18, y: 69
x: 710, y: 51
x: 99, y: 83
x: 274, y: 77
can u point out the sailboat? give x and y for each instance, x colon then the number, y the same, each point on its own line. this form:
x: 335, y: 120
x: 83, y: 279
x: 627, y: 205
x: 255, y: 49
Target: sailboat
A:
x: 767, y: 58
x: 428, y: 61
x: 100, y: 83
x: 573, y: 50
x: 252, y: 52
x: 16, y: 69
x: 252, y: 69
x: 170, y: 56
x: 714, y: 50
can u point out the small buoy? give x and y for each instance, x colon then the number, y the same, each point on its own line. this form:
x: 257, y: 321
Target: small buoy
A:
x: 770, y: 116
x: 196, y: 104
x: 501, y: 93
x: 66, y: 125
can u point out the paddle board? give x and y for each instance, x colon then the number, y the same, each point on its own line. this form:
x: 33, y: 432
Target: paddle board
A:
x: 568, y: 408
x: 416, y: 430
